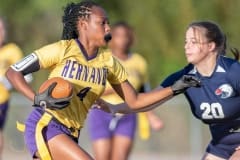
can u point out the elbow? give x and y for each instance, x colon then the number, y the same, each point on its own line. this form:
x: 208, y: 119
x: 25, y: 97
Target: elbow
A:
x: 10, y: 74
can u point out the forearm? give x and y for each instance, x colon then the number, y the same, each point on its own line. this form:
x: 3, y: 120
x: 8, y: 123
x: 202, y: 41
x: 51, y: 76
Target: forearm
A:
x: 108, y: 92
x: 19, y: 83
x: 124, y: 108
x: 140, y: 100
x: 146, y: 100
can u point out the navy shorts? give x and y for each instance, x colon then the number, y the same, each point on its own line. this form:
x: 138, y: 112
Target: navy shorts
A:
x: 224, y: 147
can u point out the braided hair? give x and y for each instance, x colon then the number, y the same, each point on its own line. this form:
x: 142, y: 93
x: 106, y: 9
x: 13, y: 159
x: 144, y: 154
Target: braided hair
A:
x: 72, y: 12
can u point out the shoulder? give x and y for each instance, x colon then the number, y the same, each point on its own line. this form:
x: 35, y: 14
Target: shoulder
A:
x: 59, y: 44
x: 138, y: 58
x: 54, y: 52
x: 105, y: 56
x: 57, y: 48
x: 227, y: 62
x: 229, y: 65
x: 232, y: 68
x: 11, y: 47
x: 11, y: 51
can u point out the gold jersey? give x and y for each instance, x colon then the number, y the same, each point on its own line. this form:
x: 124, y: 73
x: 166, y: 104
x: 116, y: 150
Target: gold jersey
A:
x: 67, y: 59
x: 9, y: 54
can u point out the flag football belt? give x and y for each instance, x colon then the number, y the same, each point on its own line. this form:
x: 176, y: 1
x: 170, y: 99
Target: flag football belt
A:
x: 42, y: 123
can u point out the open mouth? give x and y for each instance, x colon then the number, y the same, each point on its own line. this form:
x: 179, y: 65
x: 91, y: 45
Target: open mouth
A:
x: 107, y: 37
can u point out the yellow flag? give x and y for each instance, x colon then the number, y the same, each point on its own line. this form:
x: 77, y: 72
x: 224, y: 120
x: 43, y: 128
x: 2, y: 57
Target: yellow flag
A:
x: 143, y: 126
x: 20, y: 126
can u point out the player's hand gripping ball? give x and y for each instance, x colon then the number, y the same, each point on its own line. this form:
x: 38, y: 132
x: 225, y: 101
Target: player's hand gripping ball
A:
x: 54, y: 93
x: 184, y: 83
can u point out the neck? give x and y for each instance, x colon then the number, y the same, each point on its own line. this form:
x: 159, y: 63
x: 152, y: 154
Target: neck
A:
x: 207, y: 65
x: 121, y: 54
x: 90, y: 49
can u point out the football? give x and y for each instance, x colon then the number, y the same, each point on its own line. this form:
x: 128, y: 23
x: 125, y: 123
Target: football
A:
x: 63, y: 89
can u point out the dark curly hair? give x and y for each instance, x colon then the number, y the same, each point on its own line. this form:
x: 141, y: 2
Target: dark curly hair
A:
x: 72, y: 12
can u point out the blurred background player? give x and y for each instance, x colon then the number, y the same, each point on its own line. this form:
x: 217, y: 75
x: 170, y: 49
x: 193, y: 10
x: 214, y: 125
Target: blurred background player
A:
x: 10, y: 53
x: 112, y: 135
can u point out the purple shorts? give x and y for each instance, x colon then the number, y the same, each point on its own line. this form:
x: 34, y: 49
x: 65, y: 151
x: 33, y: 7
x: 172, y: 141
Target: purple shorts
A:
x: 3, y: 114
x: 103, y: 125
x: 53, y: 129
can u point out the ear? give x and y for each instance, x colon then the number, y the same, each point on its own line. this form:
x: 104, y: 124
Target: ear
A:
x: 212, y: 46
x: 82, y: 24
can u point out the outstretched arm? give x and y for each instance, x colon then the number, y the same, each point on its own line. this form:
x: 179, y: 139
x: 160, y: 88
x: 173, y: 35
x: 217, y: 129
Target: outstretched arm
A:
x: 138, y: 101
x: 124, y: 108
x: 141, y: 102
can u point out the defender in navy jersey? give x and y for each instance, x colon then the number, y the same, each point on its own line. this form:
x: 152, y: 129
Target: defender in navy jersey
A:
x: 217, y: 101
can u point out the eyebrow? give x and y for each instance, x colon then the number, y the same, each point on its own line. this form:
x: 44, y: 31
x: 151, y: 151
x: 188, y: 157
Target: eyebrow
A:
x: 192, y: 38
x: 102, y: 17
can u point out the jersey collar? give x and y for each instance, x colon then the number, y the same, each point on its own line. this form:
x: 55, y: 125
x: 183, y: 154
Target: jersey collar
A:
x: 84, y: 52
x: 218, y: 69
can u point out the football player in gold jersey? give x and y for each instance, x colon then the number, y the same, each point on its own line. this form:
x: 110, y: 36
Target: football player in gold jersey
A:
x: 52, y: 133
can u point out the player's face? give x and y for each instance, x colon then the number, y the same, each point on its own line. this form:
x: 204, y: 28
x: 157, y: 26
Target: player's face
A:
x: 196, y: 45
x: 2, y: 33
x: 120, y: 38
x: 98, y: 26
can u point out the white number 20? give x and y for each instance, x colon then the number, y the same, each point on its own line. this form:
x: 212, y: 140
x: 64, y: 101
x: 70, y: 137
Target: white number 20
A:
x: 211, y: 111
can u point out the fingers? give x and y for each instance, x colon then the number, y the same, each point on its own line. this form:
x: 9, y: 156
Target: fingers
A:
x: 192, y: 80
x: 51, y: 87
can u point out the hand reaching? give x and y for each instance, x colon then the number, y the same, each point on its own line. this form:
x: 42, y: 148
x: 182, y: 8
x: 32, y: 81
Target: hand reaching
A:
x: 185, y: 82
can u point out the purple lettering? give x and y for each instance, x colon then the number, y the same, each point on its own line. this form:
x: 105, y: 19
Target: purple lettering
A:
x: 66, y: 68
x: 72, y: 69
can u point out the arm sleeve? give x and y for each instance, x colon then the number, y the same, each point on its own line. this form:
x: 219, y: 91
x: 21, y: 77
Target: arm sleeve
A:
x: 51, y: 54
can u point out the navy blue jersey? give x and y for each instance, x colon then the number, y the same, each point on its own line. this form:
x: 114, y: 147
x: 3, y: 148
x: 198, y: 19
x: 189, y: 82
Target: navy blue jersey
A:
x: 217, y: 101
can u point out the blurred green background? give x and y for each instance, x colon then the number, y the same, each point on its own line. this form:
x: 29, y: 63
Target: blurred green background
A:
x: 160, y: 30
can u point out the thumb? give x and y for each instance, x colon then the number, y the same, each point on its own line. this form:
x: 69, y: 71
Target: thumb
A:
x: 50, y: 88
